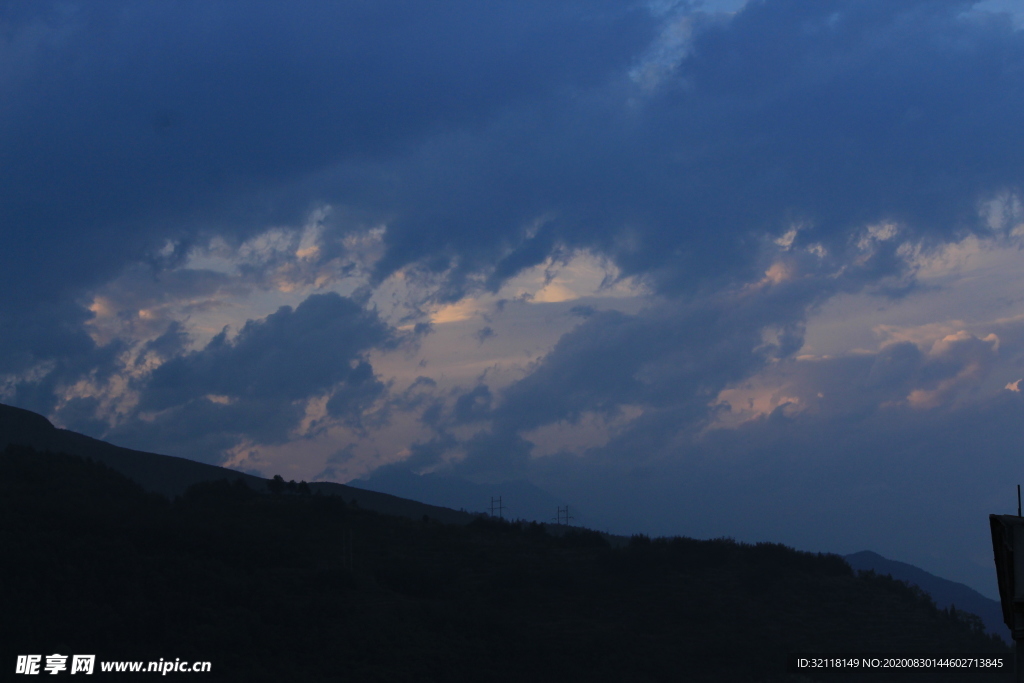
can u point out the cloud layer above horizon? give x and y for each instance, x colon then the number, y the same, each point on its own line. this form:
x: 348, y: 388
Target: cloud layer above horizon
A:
x: 686, y: 259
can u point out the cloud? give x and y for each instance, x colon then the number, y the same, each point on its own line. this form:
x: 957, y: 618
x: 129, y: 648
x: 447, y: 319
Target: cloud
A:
x: 256, y: 385
x: 946, y: 375
x: 290, y: 355
x: 823, y: 116
x: 844, y: 460
x: 205, y: 430
x: 912, y: 483
x: 51, y: 332
x: 651, y: 391
x: 743, y: 135
x: 473, y: 405
x: 670, y: 359
x: 833, y: 115
x: 127, y: 125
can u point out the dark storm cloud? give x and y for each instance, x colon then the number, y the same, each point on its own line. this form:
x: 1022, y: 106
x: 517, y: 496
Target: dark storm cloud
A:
x: 51, y: 339
x: 671, y: 359
x: 129, y: 123
x: 255, y: 385
x: 290, y: 355
x: 169, y: 344
x: 152, y: 112
x: 121, y: 110
x: 830, y: 115
x: 50, y: 330
x: 202, y: 430
x: 473, y: 405
x: 677, y: 353
x: 833, y: 393
x: 124, y: 124
x: 853, y: 387
x: 825, y: 116
x: 417, y: 394
x: 483, y: 334
x: 358, y: 392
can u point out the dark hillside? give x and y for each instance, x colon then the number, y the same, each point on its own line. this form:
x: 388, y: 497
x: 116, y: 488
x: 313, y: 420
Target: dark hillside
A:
x: 171, y: 476
x: 304, y: 587
x: 945, y: 593
x: 162, y: 474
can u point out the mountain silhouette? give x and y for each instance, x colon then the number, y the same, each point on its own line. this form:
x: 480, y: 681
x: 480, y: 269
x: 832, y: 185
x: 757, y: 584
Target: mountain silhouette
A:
x: 946, y: 593
x: 297, y: 587
x: 172, y: 476
x: 521, y: 499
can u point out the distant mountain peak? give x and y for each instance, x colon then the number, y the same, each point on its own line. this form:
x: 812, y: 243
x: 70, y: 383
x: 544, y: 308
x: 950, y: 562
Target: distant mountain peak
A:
x: 171, y: 476
x: 943, y: 591
x: 867, y: 554
x: 18, y: 420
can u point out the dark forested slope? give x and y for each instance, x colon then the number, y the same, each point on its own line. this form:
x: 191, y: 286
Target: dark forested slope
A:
x: 946, y: 593
x: 171, y: 476
x: 293, y: 587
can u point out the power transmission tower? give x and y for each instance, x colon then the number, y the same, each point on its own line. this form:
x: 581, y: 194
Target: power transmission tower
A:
x: 499, y: 507
x: 563, y: 513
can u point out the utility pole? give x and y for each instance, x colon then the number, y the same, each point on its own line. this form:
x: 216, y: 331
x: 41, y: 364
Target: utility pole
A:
x: 499, y: 507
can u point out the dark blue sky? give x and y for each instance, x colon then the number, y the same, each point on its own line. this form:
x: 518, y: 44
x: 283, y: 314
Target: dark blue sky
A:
x: 704, y: 269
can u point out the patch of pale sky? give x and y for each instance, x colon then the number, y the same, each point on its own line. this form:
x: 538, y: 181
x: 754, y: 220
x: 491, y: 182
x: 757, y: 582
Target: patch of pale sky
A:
x: 968, y: 284
x: 288, y: 258
x: 592, y: 430
x: 1012, y: 7
x: 1003, y: 212
x: 674, y: 42
x: 924, y: 336
x: 664, y: 56
x: 583, y: 275
x: 454, y: 355
x: 114, y: 394
x: 727, y: 6
x: 966, y: 289
x: 316, y: 456
x: 290, y: 271
x: 754, y: 398
x: 36, y: 373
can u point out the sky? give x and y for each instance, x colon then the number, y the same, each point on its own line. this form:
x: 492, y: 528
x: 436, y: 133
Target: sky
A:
x: 742, y: 269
